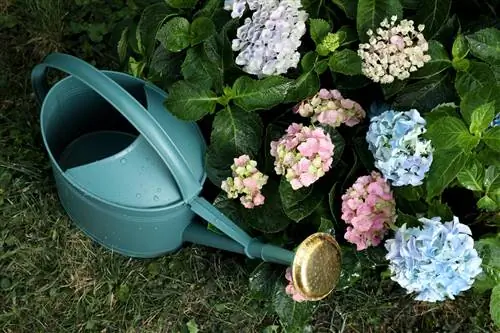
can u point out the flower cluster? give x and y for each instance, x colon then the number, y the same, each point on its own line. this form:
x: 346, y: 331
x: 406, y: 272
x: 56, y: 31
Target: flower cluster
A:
x: 290, y: 289
x: 246, y: 180
x: 303, y: 155
x: 268, y: 41
x: 437, y: 261
x: 394, y: 51
x: 400, y: 152
x: 369, y: 208
x: 496, y: 121
x: 330, y: 108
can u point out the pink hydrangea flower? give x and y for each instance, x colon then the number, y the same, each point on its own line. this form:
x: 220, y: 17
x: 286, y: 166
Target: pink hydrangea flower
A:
x: 290, y: 289
x: 302, y: 155
x: 369, y: 208
x: 246, y: 181
x: 330, y: 108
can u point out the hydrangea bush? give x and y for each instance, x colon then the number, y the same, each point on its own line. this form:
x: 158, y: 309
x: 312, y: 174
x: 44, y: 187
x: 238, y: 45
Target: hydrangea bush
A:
x: 372, y: 120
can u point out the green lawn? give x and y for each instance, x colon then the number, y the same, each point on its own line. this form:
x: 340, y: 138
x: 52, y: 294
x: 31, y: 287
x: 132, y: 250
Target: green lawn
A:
x: 54, y: 279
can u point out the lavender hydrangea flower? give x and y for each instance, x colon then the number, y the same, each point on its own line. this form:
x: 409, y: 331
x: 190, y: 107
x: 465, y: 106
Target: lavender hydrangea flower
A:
x: 496, y: 121
x: 438, y: 261
x: 268, y: 41
x: 400, y: 152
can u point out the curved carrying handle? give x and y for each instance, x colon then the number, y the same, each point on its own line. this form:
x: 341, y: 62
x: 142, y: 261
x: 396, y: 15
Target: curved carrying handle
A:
x: 129, y: 107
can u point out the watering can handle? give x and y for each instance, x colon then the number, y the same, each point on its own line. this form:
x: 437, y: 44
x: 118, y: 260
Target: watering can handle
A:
x: 129, y: 107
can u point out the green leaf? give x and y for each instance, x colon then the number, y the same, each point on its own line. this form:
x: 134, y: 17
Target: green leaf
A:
x: 351, y: 36
x: 210, y: 7
x: 495, y: 305
x: 487, y: 204
x: 433, y: 14
x: 439, y: 61
x: 472, y: 176
x: 199, y: 70
x: 307, y: 84
x: 174, y: 35
x: 488, y: 249
x: 410, y: 193
x: 298, y: 204
x: 450, y: 132
x: 474, y: 99
x: 460, y: 65
x: 345, y: 62
x: 488, y: 156
x: 425, y: 94
x: 482, y: 118
x: 460, y: 47
x: 201, y: 29
x: 263, y: 281
x: 152, y: 18
x: 122, y: 45
x: 318, y: 28
x: 492, y: 183
x: 485, y: 44
x: 189, y: 102
x: 231, y: 208
x: 192, y: 326
x: 270, y: 217
x: 437, y: 208
x: 348, y: 7
x: 492, y: 138
x: 237, y: 132
x: 441, y: 111
x: 338, y: 142
x: 252, y: 95
x: 326, y: 225
x: 371, y: 12
x: 477, y: 76
x: 352, y: 269
x: 293, y: 315
x: 444, y: 168
x: 410, y: 220
x: 136, y: 67
x: 364, y: 154
x: 123, y: 292
x: 182, y: 3
x: 391, y: 89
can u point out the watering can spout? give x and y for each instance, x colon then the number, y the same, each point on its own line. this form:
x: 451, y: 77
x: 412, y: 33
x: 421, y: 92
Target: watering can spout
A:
x: 315, y: 264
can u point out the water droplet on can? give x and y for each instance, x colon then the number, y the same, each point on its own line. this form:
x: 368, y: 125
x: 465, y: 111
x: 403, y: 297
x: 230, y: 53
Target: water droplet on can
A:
x: 123, y: 161
x: 156, y: 198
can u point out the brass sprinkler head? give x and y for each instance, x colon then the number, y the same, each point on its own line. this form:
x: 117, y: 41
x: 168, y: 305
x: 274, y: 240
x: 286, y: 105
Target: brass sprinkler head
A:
x: 316, y: 266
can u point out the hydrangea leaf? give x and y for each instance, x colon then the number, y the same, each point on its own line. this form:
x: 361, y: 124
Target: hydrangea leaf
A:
x: 298, y: 204
x: 165, y: 67
x: 151, y: 20
x: 346, y: 62
x: 307, y: 84
x: 438, y: 208
x: 444, y: 168
x: 441, y: 111
x: 189, y: 102
x: 174, y: 35
x: 349, y: 7
x: 485, y: 44
x: 201, y: 29
x: 252, y: 95
x: 199, y: 70
x: 318, y: 29
x: 477, y: 76
x: 181, y: 3
x: 492, y: 138
x: 450, y: 132
x: 263, y: 280
x: 425, y: 94
x: 474, y: 99
x: 487, y: 203
x: 326, y: 225
x: 233, y: 209
x: 433, y: 14
x: 482, y: 118
x: 472, y: 176
x: 460, y: 47
x: 209, y: 8
x: 294, y: 316
x: 270, y: 217
x: 235, y: 132
x: 439, y: 62
x: 489, y: 251
x: 492, y: 183
x: 371, y: 12
x: 391, y: 89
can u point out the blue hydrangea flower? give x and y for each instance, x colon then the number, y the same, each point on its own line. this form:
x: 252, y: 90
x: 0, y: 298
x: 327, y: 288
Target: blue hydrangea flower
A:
x: 496, y: 121
x: 437, y: 261
x: 401, y: 153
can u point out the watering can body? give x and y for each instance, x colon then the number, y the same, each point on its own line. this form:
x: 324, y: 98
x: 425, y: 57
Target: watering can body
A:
x: 129, y: 174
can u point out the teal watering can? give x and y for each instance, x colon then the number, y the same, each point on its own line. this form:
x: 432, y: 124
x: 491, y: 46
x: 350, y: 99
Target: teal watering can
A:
x: 129, y: 174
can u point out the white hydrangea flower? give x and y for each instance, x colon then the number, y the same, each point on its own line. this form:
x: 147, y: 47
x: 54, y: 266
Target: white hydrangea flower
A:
x: 268, y: 41
x: 393, y: 51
